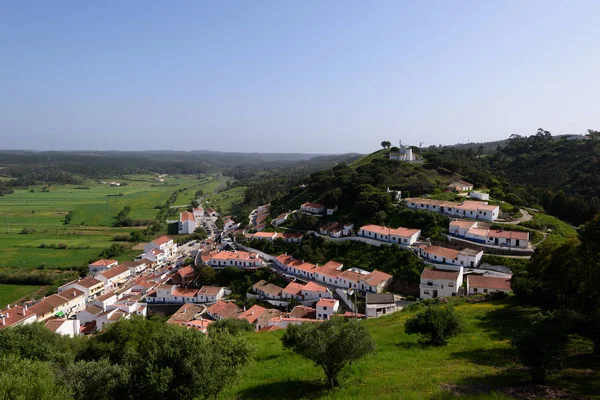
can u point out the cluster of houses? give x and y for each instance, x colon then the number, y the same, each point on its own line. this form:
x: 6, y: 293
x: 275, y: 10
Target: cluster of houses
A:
x: 289, y: 237
x: 259, y: 220
x: 445, y: 281
x: 159, y: 250
x: 331, y: 274
x: 475, y: 232
x: 336, y: 229
x: 466, y: 209
x: 317, y: 208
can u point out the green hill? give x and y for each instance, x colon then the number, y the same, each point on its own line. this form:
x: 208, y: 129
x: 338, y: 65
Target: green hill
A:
x: 479, y: 363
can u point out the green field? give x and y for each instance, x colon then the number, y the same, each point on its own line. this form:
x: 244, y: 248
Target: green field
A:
x: 93, y: 212
x: 12, y: 293
x: 227, y: 200
x: 480, y: 363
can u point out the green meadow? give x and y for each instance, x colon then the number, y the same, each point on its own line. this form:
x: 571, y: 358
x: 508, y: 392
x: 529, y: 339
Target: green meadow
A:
x: 479, y: 363
x: 12, y: 293
x: 43, y: 211
x: 227, y: 199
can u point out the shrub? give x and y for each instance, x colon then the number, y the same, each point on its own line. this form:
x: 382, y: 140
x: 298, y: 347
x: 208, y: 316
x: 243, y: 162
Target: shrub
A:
x: 27, y: 231
x: 435, y: 324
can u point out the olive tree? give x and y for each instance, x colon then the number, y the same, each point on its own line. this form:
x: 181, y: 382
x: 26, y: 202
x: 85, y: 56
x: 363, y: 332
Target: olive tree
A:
x: 331, y: 345
x: 435, y: 324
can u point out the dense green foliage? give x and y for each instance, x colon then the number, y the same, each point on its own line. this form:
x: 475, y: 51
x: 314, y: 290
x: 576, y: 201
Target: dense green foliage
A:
x: 233, y: 326
x: 331, y: 345
x: 131, y: 359
x: 435, y: 324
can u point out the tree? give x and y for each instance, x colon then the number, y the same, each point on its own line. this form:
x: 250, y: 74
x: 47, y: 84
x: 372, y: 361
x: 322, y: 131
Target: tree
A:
x: 29, y: 380
x: 331, y: 345
x: 595, y: 135
x: 205, y: 275
x: 96, y: 380
x: 386, y: 144
x: 200, y: 233
x: 435, y: 324
x: 232, y: 326
x: 541, y: 346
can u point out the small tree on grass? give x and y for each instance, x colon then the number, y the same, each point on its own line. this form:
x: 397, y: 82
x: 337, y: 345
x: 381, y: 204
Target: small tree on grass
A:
x: 542, y: 346
x: 435, y: 324
x: 331, y: 345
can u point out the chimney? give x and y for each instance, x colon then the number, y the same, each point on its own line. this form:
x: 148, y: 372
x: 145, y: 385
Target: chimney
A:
x: 3, y: 321
x: 252, y: 312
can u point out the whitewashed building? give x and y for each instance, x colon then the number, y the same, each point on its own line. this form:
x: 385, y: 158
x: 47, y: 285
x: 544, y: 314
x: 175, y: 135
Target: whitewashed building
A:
x: 402, y: 236
x: 313, y: 208
x: 187, y: 223
x: 438, y: 282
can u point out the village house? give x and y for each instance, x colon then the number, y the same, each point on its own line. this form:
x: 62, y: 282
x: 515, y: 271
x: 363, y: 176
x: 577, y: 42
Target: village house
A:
x: 110, y: 317
x: 113, y: 277
x: 68, y: 301
x: 314, y: 291
x: 460, y: 186
x: 208, y: 294
x: 401, y: 236
x: 15, y: 316
x: 229, y: 223
x: 211, y: 212
x: 477, y: 284
x: 437, y: 282
x: 267, y: 290
x: 89, y: 286
x: 404, y: 153
x: 313, y: 208
x: 379, y: 304
x: 189, y: 316
x: 187, y: 223
x: 282, y: 322
x: 102, y: 265
x: 470, y: 230
x: 65, y: 327
x: 105, y: 300
x: 281, y: 218
x: 156, y: 256
x: 269, y: 236
x: 375, y: 281
x: 164, y: 244
x: 301, y: 311
x: 479, y: 196
x: 442, y: 255
x: 136, y: 267
x: 184, y: 276
x: 293, y: 290
x: 223, y: 309
x: 240, y: 259
x: 326, y: 308
x: 331, y: 210
x: 336, y: 229
x: 466, y: 209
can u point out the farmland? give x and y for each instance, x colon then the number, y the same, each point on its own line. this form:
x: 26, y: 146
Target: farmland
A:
x: 11, y: 293
x: 32, y: 219
x: 227, y: 200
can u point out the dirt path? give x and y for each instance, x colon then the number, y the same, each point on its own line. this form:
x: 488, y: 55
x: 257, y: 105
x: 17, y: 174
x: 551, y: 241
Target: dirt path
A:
x: 526, y: 216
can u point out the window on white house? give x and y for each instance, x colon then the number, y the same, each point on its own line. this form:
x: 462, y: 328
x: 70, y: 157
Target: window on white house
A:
x: 426, y: 292
x: 484, y: 290
x: 450, y: 284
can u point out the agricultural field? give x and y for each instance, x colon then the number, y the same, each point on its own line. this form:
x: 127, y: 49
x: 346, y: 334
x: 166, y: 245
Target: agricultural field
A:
x: 32, y: 229
x: 12, y: 293
x: 227, y: 200
x: 478, y: 364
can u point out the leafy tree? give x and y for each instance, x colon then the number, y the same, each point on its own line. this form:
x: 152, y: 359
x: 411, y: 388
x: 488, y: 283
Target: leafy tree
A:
x: 205, y: 275
x: 168, y: 360
x: 200, y: 233
x: 541, y: 346
x: 28, y: 379
x: 331, y: 345
x: 435, y: 324
x: 96, y: 380
x: 232, y: 326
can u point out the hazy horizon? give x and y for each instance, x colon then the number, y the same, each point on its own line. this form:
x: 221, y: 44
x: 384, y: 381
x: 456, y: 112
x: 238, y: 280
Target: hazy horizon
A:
x: 282, y: 77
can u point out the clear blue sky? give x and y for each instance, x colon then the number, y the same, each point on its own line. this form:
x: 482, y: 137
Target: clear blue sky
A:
x: 301, y: 76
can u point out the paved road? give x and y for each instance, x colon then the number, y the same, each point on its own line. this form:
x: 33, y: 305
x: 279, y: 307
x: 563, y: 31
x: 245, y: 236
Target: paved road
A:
x: 526, y: 216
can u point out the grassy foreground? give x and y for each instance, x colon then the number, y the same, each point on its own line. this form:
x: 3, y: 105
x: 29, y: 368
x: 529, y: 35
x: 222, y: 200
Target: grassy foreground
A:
x: 478, y: 364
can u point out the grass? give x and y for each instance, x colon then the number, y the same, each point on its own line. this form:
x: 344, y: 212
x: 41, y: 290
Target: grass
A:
x: 12, y: 293
x: 544, y: 222
x: 479, y: 363
x: 227, y: 200
x: 93, y: 212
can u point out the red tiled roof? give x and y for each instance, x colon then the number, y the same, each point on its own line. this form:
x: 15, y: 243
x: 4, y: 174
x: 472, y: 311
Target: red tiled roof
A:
x: 327, y: 303
x: 161, y: 240
x: 268, y: 288
x: 442, y: 252
x: 186, y: 216
x: 88, y: 282
x: 509, y: 234
x: 111, y: 273
x: 303, y: 312
x: 186, y: 271
x: 314, y: 287
x: 382, y: 230
x: 489, y: 282
x: 224, y: 309
x: 293, y: 288
x: 429, y: 273
x: 15, y: 315
x: 265, y: 235
x: 185, y: 292
x: 102, y: 263
x: 460, y: 223
x: 210, y: 290
x: 252, y: 314
x: 376, y: 278
x: 312, y: 205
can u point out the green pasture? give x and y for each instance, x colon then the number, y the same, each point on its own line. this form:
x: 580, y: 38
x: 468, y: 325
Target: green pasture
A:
x: 227, y: 199
x: 480, y: 363
x: 12, y: 293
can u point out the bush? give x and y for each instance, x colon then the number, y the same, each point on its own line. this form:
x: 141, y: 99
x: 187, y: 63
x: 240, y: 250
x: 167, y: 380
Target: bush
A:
x: 435, y: 324
x: 27, y: 231
x: 232, y: 326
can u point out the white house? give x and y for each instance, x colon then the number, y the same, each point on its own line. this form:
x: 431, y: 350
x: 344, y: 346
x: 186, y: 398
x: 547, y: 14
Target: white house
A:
x: 156, y: 256
x: 281, y: 218
x: 314, y: 208
x: 379, y: 304
x: 470, y: 230
x: 269, y: 236
x: 212, y: 212
x: 229, y: 224
x: 315, y: 291
x: 460, y: 186
x: 198, y: 212
x: 163, y: 243
x: 267, y: 290
x: 236, y: 259
x: 442, y: 255
x: 65, y: 327
x: 102, y: 265
x: 136, y: 267
x: 290, y: 237
x: 402, y: 236
x: 479, y: 196
x: 437, y: 282
x: 326, y: 308
x: 89, y: 286
x: 293, y: 290
x: 336, y: 229
x: 15, y: 316
x: 187, y: 223
x: 113, y: 277
x: 375, y: 281
x: 477, y: 284
x: 466, y: 209
x: 331, y: 210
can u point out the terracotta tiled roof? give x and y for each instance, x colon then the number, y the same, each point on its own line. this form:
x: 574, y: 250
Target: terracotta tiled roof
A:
x: 327, y: 303
x: 102, y: 263
x: 224, y: 309
x: 429, y: 273
x: 161, y: 240
x: 442, y: 252
x: 375, y: 278
x: 382, y: 230
x: 293, y: 288
x: 210, y: 290
x: 489, y: 282
x: 303, y: 312
x: 252, y: 314
x: 111, y: 273
x: 314, y: 287
x: 186, y: 216
x: 268, y: 288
